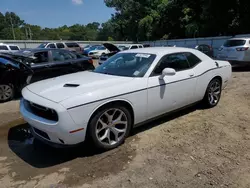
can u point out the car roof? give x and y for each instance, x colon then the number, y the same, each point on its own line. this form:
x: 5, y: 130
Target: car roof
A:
x: 160, y: 50
x: 239, y: 38
x: 8, y: 44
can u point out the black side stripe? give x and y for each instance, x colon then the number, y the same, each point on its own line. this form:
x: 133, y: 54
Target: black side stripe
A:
x: 143, y: 89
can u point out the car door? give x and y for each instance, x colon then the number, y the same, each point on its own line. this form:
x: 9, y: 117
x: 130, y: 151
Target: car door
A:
x: 41, y: 66
x: 171, y: 92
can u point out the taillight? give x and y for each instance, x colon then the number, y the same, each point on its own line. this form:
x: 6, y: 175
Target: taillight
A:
x: 242, y: 49
x: 91, y: 61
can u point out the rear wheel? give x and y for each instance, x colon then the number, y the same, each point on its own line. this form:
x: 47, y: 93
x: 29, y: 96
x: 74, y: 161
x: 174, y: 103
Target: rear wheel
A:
x: 6, y: 92
x: 109, y: 127
x: 213, y: 93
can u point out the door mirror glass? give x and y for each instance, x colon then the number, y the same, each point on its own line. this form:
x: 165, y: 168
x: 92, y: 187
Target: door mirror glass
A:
x: 167, y: 72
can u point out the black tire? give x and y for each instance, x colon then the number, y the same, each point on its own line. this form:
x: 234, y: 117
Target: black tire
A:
x: 11, y: 96
x: 91, y: 132
x: 206, y: 100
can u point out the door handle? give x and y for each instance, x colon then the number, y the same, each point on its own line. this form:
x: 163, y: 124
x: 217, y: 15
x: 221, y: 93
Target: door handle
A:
x: 191, y: 75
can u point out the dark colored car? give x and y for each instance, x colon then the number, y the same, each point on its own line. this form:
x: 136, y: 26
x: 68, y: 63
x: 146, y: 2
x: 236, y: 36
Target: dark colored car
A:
x: 25, y: 67
x: 113, y: 50
x: 206, y: 49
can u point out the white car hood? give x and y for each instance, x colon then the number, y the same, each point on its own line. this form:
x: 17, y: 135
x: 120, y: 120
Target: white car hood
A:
x: 89, y: 82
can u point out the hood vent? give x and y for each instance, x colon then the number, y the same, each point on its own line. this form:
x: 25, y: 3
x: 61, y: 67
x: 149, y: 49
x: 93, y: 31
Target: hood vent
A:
x: 71, y: 85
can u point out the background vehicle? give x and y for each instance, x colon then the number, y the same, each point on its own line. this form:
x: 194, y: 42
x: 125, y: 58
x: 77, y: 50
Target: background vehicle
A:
x: 121, y: 47
x: 72, y: 46
x: 130, y: 88
x: 146, y: 45
x: 90, y: 48
x: 113, y: 49
x: 133, y: 46
x: 206, y: 49
x: 25, y: 67
x: 8, y: 47
x: 236, y: 51
x: 97, y: 52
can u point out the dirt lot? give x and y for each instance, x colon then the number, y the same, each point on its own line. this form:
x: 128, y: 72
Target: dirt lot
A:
x: 194, y: 148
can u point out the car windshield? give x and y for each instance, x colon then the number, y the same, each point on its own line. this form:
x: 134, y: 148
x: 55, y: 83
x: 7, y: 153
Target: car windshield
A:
x: 101, y: 48
x: 127, y: 64
x: 93, y: 47
x: 42, y: 45
x: 232, y: 43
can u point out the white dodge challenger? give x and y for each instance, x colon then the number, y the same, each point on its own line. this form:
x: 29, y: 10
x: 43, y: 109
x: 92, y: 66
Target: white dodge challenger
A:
x: 130, y: 88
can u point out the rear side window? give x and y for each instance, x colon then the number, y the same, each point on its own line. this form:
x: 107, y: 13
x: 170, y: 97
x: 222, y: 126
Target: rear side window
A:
x: 72, y: 45
x: 14, y: 48
x: 59, y: 45
x: 193, y: 60
x: 51, y: 46
x: 3, y: 47
x: 140, y: 46
x: 232, y: 43
x: 134, y: 47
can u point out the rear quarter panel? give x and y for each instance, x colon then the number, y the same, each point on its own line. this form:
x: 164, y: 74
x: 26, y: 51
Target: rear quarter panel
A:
x: 208, y: 70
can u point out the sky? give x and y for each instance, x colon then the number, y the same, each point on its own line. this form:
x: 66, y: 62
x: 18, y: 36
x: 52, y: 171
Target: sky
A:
x: 55, y: 13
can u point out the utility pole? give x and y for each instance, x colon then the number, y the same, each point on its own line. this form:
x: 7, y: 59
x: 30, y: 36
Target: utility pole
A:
x: 12, y: 27
x: 30, y: 34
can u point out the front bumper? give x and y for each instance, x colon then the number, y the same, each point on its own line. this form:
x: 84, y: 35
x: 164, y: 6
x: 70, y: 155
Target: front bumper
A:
x: 58, y: 132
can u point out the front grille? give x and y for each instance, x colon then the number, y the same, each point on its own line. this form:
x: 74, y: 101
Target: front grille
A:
x: 41, y: 133
x: 42, y: 111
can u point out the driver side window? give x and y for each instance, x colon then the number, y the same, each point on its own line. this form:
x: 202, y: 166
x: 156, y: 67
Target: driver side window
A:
x: 178, y: 62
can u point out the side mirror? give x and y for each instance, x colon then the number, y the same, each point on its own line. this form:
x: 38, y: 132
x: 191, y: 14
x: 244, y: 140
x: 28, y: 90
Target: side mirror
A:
x: 167, y: 72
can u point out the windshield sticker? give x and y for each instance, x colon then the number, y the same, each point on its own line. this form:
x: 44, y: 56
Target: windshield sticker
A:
x: 136, y: 73
x: 143, y: 55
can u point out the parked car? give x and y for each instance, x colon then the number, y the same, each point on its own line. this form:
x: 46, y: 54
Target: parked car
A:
x: 133, y: 46
x: 146, y: 45
x: 236, y: 51
x: 97, y: 52
x: 71, y: 46
x: 121, y: 47
x: 86, y: 47
x: 25, y: 67
x: 112, y: 49
x: 206, y: 49
x: 130, y: 88
x: 8, y: 48
x: 87, y: 50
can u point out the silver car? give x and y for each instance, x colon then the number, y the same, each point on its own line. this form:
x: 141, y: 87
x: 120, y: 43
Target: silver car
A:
x: 236, y: 51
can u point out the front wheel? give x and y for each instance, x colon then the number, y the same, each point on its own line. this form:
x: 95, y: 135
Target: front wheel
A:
x: 6, y: 92
x: 213, y: 93
x: 109, y: 127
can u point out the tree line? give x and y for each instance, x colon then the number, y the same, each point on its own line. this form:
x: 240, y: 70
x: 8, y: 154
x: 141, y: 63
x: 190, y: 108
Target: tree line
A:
x: 141, y: 20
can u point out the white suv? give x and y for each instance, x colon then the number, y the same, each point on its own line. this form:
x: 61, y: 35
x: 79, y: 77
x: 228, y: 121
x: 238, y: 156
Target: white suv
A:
x: 8, y: 48
x: 133, y: 46
x: 236, y: 51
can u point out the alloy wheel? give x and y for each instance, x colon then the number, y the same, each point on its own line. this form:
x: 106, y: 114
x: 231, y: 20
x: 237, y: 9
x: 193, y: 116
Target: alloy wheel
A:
x: 214, y: 92
x: 6, y: 92
x: 111, y: 126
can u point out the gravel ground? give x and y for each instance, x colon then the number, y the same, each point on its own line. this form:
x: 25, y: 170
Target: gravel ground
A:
x: 193, y: 148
